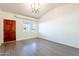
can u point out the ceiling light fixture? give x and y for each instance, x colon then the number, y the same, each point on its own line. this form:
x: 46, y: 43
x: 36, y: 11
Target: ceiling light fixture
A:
x: 35, y: 7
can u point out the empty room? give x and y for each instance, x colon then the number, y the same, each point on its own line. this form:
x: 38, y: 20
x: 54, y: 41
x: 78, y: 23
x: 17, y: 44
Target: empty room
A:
x: 39, y: 29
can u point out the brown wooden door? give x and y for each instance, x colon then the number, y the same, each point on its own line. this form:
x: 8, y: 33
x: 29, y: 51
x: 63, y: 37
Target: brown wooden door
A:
x: 9, y: 30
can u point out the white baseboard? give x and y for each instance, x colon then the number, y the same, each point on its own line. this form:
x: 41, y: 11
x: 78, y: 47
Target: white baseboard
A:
x: 77, y: 47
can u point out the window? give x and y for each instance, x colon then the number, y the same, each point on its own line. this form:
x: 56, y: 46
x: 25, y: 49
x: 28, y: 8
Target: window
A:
x: 25, y: 26
x: 33, y: 27
x: 29, y: 27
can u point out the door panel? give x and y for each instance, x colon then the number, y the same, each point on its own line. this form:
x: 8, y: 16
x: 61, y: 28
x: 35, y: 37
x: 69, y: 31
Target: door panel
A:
x: 9, y: 30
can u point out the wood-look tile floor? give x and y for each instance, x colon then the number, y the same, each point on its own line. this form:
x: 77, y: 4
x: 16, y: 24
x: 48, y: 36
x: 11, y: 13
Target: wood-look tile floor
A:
x: 37, y: 47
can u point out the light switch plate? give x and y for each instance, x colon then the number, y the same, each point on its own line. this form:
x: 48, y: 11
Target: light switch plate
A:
x: 0, y: 44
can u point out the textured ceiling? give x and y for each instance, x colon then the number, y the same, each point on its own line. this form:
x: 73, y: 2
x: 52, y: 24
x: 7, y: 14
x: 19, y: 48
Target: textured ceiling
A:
x: 25, y: 8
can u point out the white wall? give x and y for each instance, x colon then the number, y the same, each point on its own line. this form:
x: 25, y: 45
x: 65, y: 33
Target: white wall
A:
x: 20, y: 34
x: 61, y: 25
